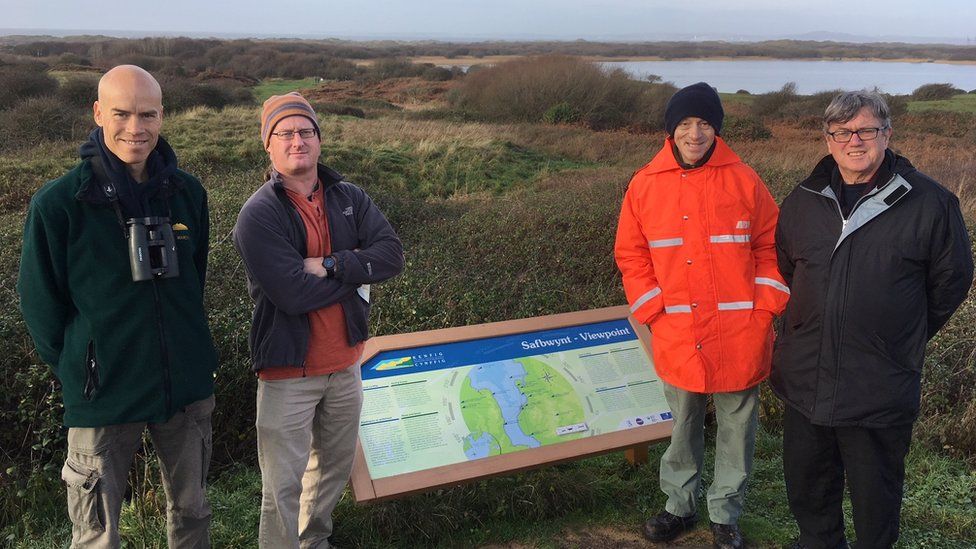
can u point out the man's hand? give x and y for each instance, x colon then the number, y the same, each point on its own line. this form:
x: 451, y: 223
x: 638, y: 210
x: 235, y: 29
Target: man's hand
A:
x: 313, y: 266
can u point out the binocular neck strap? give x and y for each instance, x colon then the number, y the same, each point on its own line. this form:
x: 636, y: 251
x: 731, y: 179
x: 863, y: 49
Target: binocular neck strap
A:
x: 113, y: 198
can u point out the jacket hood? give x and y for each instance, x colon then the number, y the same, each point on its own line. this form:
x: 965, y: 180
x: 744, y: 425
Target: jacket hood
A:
x: 109, y: 176
x: 665, y: 161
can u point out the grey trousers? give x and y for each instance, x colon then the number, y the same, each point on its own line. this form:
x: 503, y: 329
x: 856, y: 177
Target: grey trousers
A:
x: 307, y: 430
x: 737, y: 415
x: 98, y: 465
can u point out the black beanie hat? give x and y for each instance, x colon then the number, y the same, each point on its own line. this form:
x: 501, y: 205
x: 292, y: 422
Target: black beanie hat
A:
x: 699, y: 100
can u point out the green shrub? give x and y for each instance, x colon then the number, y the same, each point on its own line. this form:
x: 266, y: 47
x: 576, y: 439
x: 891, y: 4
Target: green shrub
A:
x: 338, y: 109
x: 79, y: 91
x: 935, y: 92
x: 561, y: 113
x: 438, y: 74
x: 40, y: 119
x: 772, y: 103
x: 788, y: 104
x: 525, y: 89
x: 22, y: 81
x: 180, y: 94
x: 736, y: 128
x: 69, y: 59
x: 394, y: 67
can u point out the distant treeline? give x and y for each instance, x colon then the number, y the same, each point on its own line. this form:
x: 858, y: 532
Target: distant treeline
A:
x: 272, y: 57
x: 247, y: 59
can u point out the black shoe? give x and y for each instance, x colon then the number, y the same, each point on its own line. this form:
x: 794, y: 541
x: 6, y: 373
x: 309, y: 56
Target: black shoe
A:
x: 666, y: 527
x: 727, y: 536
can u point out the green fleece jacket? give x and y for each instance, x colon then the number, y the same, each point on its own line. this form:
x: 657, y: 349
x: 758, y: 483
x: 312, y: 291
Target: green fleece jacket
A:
x: 124, y: 351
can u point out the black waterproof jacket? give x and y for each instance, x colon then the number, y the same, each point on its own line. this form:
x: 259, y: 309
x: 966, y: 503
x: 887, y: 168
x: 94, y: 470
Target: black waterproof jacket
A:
x: 867, y: 293
x: 271, y: 238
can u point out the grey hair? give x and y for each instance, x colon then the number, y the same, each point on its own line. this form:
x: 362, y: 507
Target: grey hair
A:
x: 845, y: 106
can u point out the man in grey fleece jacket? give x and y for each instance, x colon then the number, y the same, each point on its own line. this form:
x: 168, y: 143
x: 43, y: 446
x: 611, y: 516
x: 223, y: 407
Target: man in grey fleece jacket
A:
x: 311, y: 243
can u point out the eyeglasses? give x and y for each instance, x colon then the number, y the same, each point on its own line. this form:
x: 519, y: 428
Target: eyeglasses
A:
x: 304, y: 133
x: 864, y: 134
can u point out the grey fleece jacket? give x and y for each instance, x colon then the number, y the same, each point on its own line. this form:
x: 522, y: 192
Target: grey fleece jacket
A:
x: 270, y: 237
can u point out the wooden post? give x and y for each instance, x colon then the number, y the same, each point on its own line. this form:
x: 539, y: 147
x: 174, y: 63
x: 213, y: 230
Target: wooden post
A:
x: 637, y: 455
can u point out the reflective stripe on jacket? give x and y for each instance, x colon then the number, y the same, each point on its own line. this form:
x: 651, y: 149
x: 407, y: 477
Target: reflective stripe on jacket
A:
x: 696, y: 250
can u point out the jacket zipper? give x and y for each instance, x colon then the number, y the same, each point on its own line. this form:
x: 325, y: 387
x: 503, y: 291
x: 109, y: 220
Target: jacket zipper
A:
x: 163, y: 350
x: 840, y: 340
x: 91, y: 373
x: 297, y: 222
x: 823, y: 314
x: 847, y: 277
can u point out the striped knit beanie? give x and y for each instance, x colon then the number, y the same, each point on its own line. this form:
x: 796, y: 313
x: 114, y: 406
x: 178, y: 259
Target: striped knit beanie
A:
x: 278, y: 107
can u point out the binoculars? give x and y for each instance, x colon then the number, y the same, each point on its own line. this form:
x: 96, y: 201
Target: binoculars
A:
x: 152, y: 248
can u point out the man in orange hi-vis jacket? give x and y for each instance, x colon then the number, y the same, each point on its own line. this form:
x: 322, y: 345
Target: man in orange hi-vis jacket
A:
x: 695, y: 244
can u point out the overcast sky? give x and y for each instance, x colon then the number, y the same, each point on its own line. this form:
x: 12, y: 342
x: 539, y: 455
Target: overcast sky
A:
x: 480, y: 19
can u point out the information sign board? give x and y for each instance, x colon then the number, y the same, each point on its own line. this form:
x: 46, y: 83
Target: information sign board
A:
x: 446, y: 406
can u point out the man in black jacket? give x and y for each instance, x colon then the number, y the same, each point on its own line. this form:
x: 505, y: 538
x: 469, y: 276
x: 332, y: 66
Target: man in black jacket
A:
x: 877, y: 258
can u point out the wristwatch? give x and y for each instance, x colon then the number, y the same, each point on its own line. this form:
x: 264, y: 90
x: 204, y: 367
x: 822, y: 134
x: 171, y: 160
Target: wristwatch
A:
x: 330, y: 264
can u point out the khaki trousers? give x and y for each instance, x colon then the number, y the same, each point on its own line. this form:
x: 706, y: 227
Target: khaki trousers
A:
x: 307, y: 430
x: 97, y: 468
x: 737, y: 415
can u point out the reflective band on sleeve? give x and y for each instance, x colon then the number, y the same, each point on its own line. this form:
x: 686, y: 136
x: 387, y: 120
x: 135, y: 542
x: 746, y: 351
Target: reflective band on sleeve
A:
x: 729, y: 238
x: 665, y: 242
x: 644, y: 299
x: 671, y: 309
x: 735, y: 305
x: 774, y: 283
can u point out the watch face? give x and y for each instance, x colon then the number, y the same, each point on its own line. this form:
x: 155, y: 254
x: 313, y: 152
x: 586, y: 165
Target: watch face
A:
x: 330, y: 263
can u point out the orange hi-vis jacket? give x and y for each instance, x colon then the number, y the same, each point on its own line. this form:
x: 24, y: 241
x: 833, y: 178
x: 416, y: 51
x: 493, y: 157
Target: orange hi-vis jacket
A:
x: 697, y: 253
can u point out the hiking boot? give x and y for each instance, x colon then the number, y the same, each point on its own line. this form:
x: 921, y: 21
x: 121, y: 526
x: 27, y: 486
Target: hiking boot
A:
x: 666, y: 527
x: 727, y: 536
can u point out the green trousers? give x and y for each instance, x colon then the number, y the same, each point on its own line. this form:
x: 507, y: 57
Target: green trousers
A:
x: 681, y: 465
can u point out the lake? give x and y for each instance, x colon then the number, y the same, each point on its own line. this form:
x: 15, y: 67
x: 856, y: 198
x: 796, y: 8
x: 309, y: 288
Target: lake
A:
x: 761, y: 76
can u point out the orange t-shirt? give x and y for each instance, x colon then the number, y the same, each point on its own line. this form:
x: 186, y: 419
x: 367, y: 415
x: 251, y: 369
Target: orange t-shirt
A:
x: 328, y: 345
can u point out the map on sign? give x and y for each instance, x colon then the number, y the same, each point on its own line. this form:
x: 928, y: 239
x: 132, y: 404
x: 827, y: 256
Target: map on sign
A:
x: 448, y: 403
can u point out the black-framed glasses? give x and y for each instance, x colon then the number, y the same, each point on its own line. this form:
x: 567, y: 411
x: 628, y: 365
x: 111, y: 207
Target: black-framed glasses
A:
x: 288, y: 135
x: 864, y: 134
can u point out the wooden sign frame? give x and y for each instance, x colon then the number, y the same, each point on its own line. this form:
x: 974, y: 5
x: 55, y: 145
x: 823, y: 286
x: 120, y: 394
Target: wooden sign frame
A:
x: 635, y: 439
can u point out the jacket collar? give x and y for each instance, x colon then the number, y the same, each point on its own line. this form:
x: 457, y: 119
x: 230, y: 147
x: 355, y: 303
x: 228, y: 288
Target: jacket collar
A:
x: 327, y: 176
x: 665, y: 161
x: 823, y: 173
x: 104, y: 179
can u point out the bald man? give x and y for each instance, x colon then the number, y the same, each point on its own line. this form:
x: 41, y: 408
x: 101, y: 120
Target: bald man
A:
x: 111, y: 287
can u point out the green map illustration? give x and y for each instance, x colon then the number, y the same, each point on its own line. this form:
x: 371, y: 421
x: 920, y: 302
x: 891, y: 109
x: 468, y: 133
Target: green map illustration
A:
x: 514, y: 405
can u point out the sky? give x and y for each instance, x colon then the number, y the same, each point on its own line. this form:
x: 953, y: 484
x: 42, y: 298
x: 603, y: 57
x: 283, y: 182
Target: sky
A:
x: 628, y: 20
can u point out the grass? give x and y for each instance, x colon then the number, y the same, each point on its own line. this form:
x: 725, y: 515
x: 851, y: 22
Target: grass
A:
x: 481, y: 209
x: 601, y: 500
x: 277, y: 86
x: 965, y: 103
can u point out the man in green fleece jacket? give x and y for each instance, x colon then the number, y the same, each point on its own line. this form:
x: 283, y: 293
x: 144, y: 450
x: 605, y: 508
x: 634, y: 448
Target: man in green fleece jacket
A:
x: 111, y: 287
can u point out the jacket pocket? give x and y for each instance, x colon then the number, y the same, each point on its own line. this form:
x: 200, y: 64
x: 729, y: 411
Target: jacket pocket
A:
x: 91, y: 373
x: 82, y: 485
x: 896, y: 356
